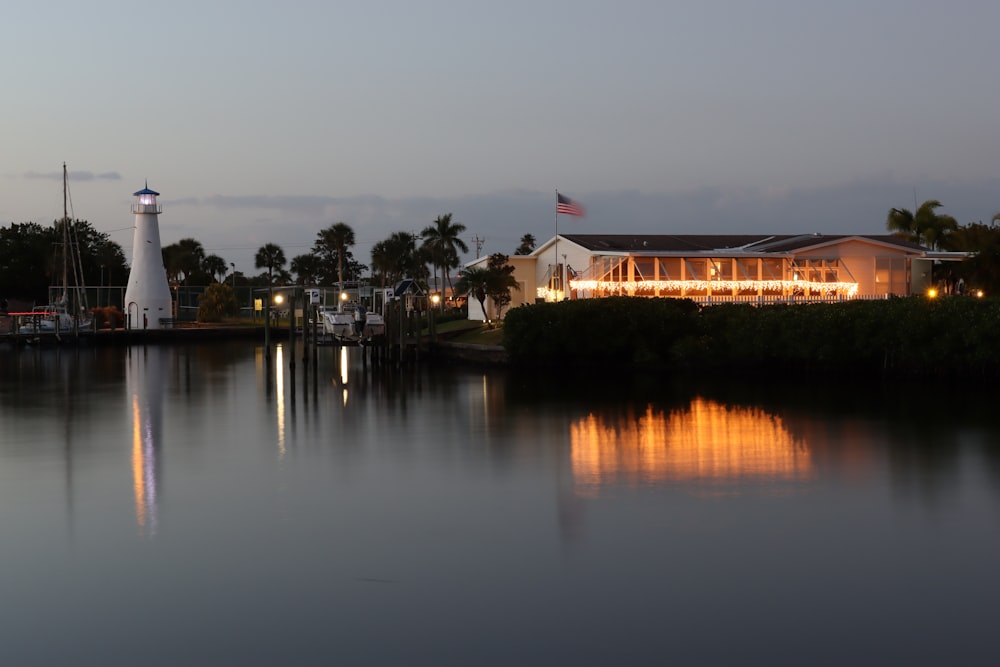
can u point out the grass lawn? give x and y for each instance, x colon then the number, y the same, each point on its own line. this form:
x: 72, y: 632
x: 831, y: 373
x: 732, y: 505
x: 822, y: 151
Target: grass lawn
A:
x: 470, y: 331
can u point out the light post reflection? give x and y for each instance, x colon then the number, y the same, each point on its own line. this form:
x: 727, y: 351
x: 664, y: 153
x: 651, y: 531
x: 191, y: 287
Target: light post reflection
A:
x: 343, y: 372
x: 279, y: 392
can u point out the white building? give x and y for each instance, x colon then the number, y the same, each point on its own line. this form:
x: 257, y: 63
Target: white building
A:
x: 755, y: 268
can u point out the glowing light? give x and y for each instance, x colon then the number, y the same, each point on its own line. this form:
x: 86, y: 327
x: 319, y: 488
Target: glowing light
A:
x: 932, y: 293
x: 279, y: 386
x: 725, y: 287
x: 143, y: 481
x: 707, y: 440
x: 279, y: 299
x: 343, y: 296
x: 435, y: 299
x: 979, y: 293
x: 549, y: 294
x: 138, y: 467
x: 343, y: 365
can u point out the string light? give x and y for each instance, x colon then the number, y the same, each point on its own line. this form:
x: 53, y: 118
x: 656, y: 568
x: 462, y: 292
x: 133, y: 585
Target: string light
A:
x: 717, y: 287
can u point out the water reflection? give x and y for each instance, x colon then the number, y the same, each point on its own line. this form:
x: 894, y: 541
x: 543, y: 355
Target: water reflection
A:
x: 279, y: 388
x: 433, y: 497
x: 145, y: 379
x: 706, y: 440
x: 342, y: 367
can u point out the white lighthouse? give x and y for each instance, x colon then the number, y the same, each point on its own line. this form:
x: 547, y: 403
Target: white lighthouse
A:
x: 147, y: 297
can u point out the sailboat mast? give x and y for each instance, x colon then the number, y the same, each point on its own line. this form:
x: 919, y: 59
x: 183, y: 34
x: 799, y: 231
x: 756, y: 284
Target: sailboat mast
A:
x: 66, y: 248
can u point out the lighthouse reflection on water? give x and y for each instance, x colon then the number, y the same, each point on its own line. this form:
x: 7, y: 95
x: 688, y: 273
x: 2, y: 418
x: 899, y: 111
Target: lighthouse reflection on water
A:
x: 145, y: 376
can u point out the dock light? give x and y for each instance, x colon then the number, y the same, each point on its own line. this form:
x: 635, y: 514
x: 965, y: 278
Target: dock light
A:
x: 279, y: 299
x: 932, y: 293
x: 343, y: 296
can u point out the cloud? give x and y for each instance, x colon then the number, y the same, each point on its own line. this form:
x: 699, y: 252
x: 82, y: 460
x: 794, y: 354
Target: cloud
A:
x: 74, y: 176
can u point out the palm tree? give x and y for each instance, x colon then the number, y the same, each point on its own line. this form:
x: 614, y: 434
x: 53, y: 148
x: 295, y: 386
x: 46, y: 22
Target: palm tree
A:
x: 982, y: 241
x: 442, y: 242
x: 395, y: 257
x: 192, y: 254
x: 528, y: 244
x: 926, y: 224
x: 306, y: 268
x: 271, y: 257
x: 334, y: 241
x: 172, y: 262
x: 382, y: 262
x: 215, y: 266
x: 475, y: 280
x: 501, y: 281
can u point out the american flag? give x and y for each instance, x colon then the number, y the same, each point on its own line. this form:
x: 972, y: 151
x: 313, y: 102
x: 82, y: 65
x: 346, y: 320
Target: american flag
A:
x: 567, y: 206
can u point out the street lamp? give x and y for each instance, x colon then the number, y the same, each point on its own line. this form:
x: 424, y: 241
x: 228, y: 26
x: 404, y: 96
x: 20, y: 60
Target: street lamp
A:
x: 278, y: 300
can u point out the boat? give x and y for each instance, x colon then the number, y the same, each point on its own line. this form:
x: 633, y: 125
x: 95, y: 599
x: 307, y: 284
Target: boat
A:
x: 45, y: 319
x: 68, y: 312
x: 342, y: 325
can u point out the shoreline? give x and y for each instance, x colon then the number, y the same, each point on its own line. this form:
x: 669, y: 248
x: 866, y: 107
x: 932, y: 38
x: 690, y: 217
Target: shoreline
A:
x: 490, y: 355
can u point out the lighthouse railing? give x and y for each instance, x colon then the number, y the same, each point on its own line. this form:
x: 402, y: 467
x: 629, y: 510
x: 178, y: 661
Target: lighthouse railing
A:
x: 147, y: 208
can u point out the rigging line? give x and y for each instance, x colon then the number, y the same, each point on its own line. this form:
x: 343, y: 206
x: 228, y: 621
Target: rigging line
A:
x: 69, y: 198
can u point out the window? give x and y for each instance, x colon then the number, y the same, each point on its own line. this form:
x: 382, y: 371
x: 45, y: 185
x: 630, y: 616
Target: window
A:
x: 696, y: 278
x: 891, y: 276
x: 645, y: 268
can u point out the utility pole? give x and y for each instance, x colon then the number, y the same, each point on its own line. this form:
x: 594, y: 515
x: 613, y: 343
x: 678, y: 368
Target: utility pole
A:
x: 478, y: 243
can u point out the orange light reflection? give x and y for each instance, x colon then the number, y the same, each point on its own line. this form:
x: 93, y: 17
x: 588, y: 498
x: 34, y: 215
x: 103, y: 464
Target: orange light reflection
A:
x: 138, y: 466
x: 707, y: 440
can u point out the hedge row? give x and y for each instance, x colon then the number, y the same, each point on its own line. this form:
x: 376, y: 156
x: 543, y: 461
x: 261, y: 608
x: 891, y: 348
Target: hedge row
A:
x: 916, y: 336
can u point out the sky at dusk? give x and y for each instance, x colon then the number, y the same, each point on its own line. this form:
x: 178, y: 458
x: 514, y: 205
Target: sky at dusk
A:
x: 264, y: 122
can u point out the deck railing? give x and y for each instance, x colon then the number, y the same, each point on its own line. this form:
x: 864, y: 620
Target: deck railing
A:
x: 777, y: 299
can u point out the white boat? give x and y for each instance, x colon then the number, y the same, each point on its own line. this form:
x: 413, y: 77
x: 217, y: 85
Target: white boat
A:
x: 338, y: 325
x: 344, y: 327
x: 46, y: 319
x: 58, y: 317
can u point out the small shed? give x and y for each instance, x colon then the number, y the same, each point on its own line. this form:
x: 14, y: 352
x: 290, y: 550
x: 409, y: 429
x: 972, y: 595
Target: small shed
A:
x: 410, y: 292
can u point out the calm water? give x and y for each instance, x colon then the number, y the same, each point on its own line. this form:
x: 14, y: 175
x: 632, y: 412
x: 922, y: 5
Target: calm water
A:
x: 188, y: 506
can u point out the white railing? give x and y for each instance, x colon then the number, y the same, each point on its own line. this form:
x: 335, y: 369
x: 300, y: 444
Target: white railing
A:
x: 777, y: 299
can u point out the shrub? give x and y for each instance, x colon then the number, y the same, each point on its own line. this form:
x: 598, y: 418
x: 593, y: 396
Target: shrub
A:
x: 108, y: 317
x: 904, y: 336
x: 218, y: 301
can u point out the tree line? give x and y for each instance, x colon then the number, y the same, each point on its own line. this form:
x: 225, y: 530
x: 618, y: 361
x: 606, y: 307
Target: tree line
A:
x: 32, y: 257
x: 943, y: 339
x: 31, y: 260
x: 939, y: 231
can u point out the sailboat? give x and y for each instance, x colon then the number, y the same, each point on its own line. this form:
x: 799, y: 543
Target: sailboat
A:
x: 68, y: 312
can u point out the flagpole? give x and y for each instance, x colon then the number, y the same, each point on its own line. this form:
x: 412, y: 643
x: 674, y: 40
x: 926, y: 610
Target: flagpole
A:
x: 555, y: 267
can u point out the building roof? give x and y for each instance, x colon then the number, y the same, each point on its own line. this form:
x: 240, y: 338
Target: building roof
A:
x: 407, y: 286
x: 727, y: 243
